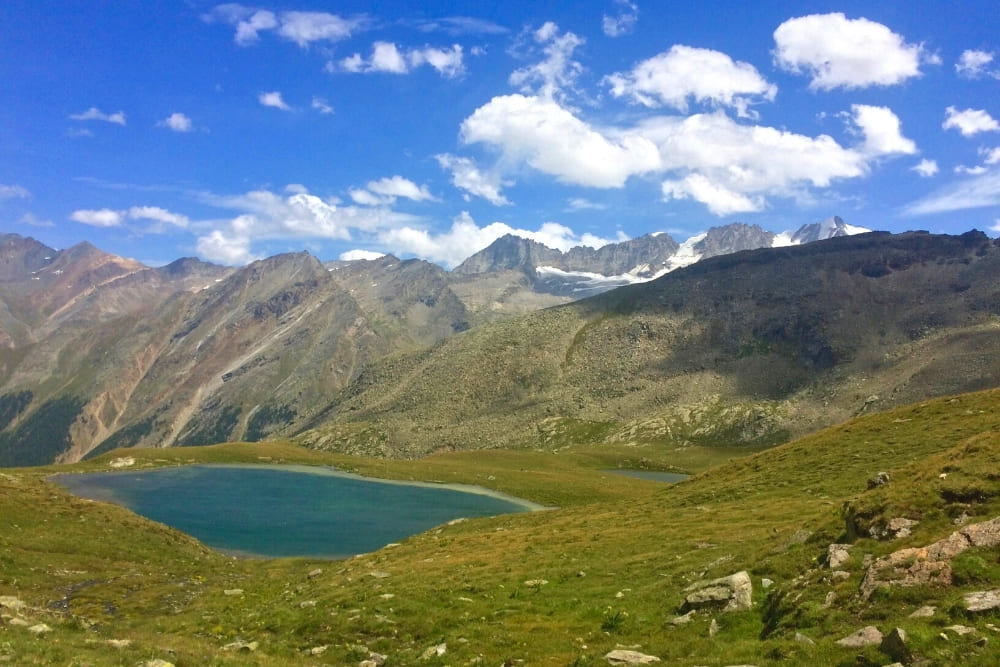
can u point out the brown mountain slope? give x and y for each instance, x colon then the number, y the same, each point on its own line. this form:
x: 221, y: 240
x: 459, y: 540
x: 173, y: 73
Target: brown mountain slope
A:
x: 750, y: 347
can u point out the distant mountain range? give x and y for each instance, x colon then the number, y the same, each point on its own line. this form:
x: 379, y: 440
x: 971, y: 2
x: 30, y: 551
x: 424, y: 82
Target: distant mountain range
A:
x: 99, y: 352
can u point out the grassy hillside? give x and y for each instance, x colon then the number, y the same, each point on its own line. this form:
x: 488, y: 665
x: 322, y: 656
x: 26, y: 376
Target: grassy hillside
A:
x: 606, y: 570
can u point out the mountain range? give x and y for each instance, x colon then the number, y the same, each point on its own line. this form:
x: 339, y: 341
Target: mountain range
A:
x: 400, y: 357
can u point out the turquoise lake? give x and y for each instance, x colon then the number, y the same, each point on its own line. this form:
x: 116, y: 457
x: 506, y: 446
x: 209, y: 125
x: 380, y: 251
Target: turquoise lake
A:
x: 272, y: 511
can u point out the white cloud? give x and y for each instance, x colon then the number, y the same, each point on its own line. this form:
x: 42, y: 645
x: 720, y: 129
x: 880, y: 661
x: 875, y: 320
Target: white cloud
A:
x: 232, y: 250
x: 880, y: 127
x: 306, y: 27
x: 177, y: 122
x: 552, y: 140
x: 32, y: 220
x: 385, y: 191
x: 719, y: 199
x: 13, y: 192
x: 300, y: 27
x: 159, y: 215
x: 447, y: 63
x: 990, y: 155
x: 685, y: 72
x: 557, y: 72
x: 926, y: 168
x: 970, y: 171
x: 387, y: 57
x: 973, y: 64
x: 93, y: 113
x: 355, y: 255
x: 969, y: 121
x: 104, y: 217
x: 466, y: 238
x: 320, y: 105
x: 273, y: 99
x: 583, y: 204
x: 624, y: 22
x: 461, y: 25
x: 465, y: 175
x: 845, y: 53
x: 979, y: 191
x: 297, y: 214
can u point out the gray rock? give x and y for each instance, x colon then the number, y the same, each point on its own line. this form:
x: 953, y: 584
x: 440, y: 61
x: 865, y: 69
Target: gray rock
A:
x: 315, y: 573
x: 894, y: 645
x: 713, y: 628
x: 866, y: 636
x: 682, y: 620
x: 982, y: 600
x: 629, y: 657
x: 894, y: 529
x: 766, y: 583
x: 926, y: 611
x: 241, y: 646
x: 156, y: 662
x: 11, y: 602
x: 39, y: 629
x: 880, y: 479
x: 837, y: 555
x: 804, y: 639
x: 732, y: 593
x: 434, y: 652
x: 961, y: 630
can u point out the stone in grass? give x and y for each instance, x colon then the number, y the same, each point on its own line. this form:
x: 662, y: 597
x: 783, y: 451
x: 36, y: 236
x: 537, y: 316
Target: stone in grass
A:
x: 434, y: 652
x: 927, y: 611
x: 894, y: 645
x: 39, y: 629
x: 12, y: 603
x: 982, y: 600
x: 156, y: 662
x: 629, y: 657
x: 241, y: 646
x: 866, y: 636
x: 732, y: 593
x: 804, y: 639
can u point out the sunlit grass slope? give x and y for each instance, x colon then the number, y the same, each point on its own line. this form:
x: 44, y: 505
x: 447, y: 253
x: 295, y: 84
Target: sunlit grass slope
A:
x: 606, y: 569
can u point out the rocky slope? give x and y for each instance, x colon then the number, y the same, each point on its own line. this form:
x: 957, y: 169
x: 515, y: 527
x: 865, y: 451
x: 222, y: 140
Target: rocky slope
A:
x: 98, y: 351
x: 745, y: 348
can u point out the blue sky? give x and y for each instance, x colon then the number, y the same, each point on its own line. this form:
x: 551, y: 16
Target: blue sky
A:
x: 231, y: 132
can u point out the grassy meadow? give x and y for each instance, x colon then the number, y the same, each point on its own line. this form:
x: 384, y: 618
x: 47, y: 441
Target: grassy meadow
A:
x: 605, y: 569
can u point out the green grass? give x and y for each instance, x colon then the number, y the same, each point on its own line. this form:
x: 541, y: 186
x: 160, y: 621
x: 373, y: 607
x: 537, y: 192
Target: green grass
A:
x: 616, y: 557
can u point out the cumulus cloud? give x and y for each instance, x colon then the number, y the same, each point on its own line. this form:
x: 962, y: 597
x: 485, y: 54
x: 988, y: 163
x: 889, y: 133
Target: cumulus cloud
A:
x: 624, y: 22
x: 838, y: 52
x: 273, y: 99
x: 177, y: 122
x: 557, y: 72
x: 466, y: 176
x: 549, y: 138
x: 969, y: 121
x: 990, y: 155
x: 881, y: 130
x: 719, y: 199
x: 300, y: 27
x: 387, y: 57
x: 295, y: 214
x: 583, y: 204
x: 93, y: 113
x: 926, y: 168
x: 104, y: 217
x: 355, y: 255
x: 978, y: 191
x: 13, y: 192
x: 385, y: 191
x: 974, y: 64
x: 687, y: 73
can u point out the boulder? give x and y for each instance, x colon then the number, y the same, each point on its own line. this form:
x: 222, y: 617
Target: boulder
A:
x: 866, y: 636
x: 837, y: 555
x: 732, y: 593
x: 880, y: 479
x: 629, y: 657
x: 893, y: 529
x: 983, y: 600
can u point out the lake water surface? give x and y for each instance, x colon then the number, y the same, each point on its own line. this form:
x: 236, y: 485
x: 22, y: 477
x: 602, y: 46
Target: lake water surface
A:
x: 272, y: 510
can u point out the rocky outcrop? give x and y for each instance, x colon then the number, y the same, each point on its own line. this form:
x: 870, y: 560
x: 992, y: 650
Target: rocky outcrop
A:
x: 629, y: 657
x: 981, y: 601
x: 732, y: 593
x: 930, y: 564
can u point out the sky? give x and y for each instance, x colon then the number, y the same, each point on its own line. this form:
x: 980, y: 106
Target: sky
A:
x: 165, y: 129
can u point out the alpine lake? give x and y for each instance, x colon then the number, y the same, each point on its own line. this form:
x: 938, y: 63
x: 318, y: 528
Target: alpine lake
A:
x: 275, y: 511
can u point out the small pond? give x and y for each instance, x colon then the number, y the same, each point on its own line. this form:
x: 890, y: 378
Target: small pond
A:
x: 272, y: 511
x: 652, y: 475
